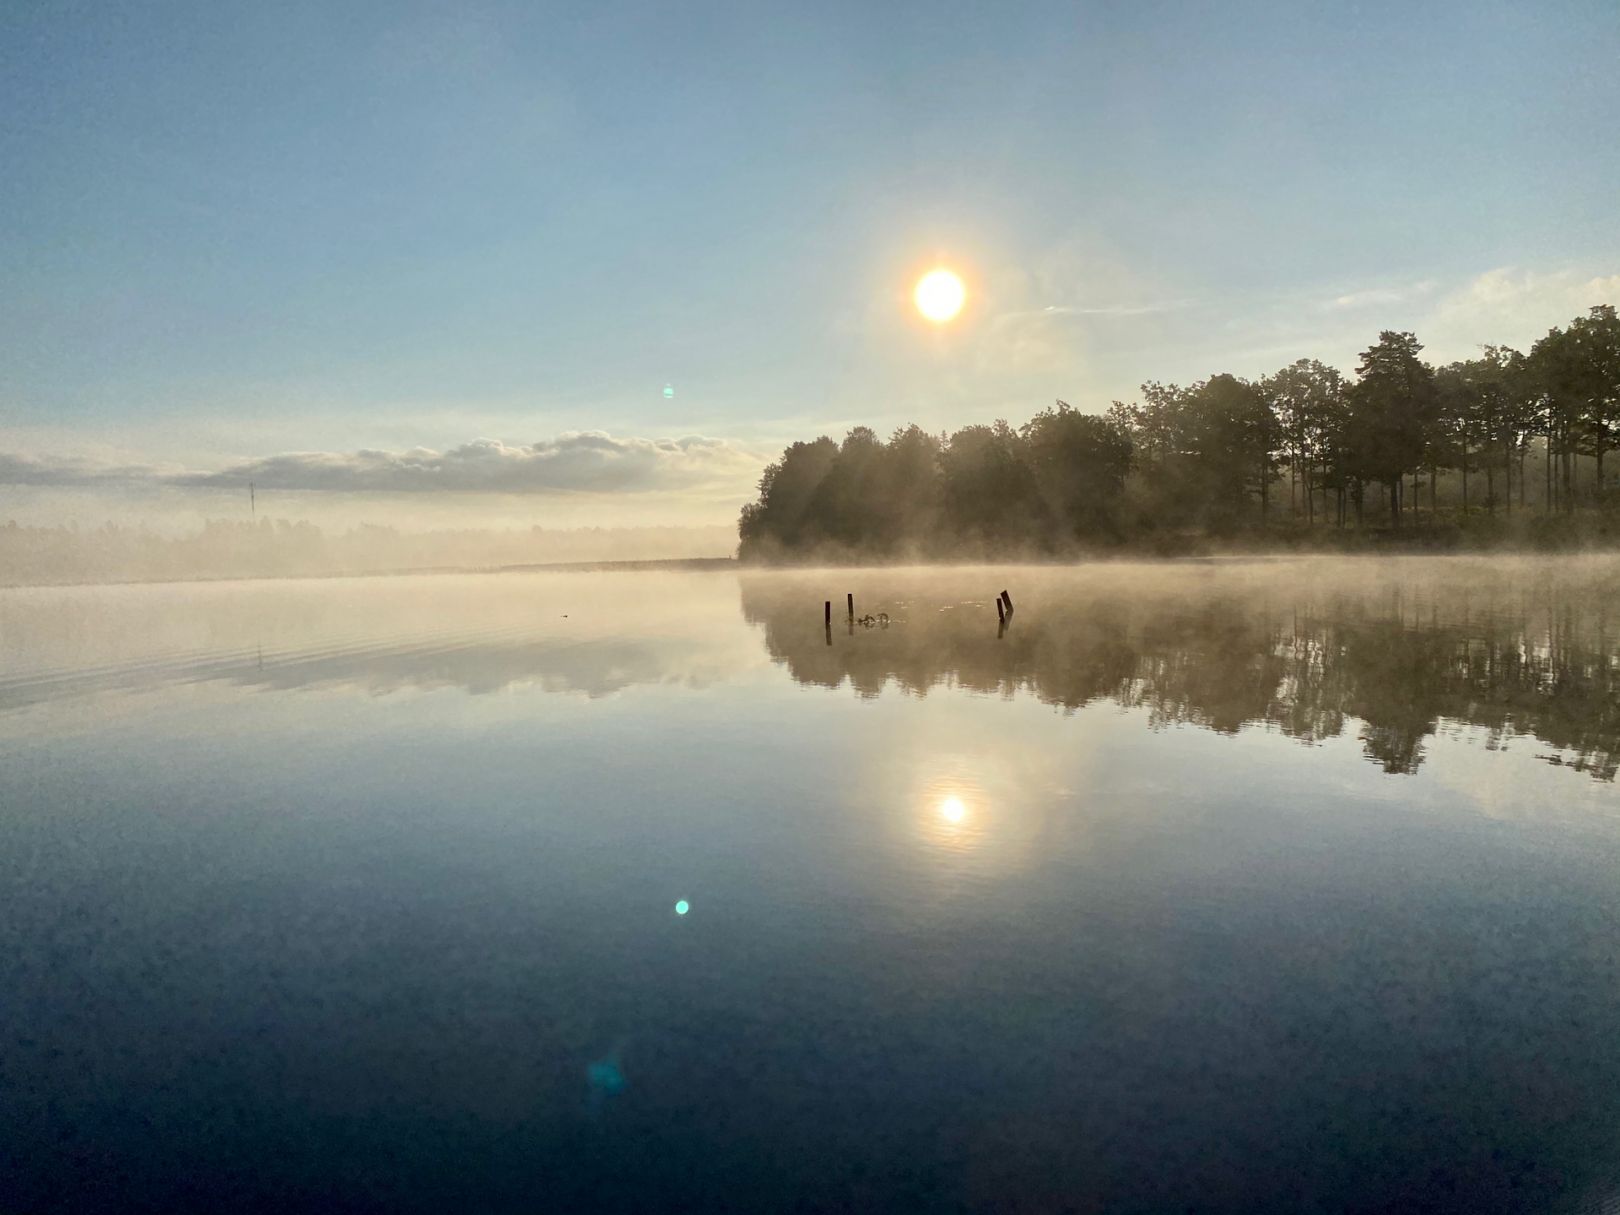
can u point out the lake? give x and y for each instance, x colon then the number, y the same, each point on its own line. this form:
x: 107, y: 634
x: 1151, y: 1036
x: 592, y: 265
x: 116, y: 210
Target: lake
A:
x: 1207, y: 886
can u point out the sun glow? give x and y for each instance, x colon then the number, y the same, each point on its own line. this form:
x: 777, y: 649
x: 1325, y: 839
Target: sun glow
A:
x: 940, y: 295
x: 952, y: 810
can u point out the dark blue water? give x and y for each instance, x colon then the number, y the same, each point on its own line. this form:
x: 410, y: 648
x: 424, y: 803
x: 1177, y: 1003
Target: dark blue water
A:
x: 1217, y: 890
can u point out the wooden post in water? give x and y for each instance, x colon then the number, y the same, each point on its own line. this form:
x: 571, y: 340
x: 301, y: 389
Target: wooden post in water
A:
x: 851, y: 598
x: 1001, y: 611
x: 827, y: 614
x: 1008, y: 599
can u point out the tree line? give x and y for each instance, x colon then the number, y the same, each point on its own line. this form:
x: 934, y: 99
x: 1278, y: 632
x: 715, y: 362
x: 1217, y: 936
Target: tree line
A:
x: 1305, y: 448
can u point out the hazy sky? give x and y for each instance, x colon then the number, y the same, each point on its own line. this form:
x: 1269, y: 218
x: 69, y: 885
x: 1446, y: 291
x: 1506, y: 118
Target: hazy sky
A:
x: 233, y: 232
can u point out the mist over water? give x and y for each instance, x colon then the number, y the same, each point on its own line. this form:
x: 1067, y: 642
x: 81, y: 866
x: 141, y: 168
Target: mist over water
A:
x: 477, y: 633
x: 267, y: 547
x: 1191, y: 885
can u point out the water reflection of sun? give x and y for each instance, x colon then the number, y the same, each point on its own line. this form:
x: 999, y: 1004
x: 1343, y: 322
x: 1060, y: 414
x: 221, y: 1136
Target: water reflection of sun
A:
x: 952, y: 814
x: 969, y: 815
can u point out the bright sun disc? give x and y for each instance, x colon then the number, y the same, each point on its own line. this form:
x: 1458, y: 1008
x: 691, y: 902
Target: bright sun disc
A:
x: 939, y: 295
x: 952, y: 810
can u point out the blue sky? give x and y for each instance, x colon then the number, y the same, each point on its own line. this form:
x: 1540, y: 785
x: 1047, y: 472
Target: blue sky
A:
x: 231, y: 232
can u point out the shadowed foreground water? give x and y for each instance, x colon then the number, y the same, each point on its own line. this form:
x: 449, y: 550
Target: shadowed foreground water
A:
x: 1235, y: 886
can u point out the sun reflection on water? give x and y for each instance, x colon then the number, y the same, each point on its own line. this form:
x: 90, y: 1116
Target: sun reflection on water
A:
x: 952, y: 814
x: 966, y: 814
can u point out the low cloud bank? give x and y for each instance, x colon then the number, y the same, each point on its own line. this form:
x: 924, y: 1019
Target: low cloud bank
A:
x: 58, y: 472
x: 575, y: 462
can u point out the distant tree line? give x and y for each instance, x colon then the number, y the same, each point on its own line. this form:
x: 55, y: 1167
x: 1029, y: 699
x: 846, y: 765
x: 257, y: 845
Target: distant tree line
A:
x: 1305, y: 449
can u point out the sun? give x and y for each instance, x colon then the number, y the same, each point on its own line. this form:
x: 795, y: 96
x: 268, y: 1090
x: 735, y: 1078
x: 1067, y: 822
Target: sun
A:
x: 940, y: 295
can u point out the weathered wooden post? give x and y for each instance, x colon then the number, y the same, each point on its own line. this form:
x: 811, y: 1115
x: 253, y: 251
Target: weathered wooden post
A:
x: 1001, y: 611
x: 851, y: 599
x: 827, y: 614
x: 1008, y: 599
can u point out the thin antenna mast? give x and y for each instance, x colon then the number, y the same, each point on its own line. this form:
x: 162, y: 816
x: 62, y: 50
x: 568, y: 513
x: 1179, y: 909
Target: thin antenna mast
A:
x: 253, y: 502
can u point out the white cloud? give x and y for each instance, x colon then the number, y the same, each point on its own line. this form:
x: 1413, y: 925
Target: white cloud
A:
x: 1513, y: 307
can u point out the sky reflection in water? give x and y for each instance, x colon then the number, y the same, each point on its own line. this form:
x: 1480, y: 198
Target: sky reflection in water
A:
x: 361, y: 891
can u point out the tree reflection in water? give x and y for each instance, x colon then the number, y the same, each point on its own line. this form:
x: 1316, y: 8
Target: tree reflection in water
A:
x: 1394, y: 650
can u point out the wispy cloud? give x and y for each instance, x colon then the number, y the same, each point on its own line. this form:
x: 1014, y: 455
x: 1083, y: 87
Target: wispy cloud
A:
x: 576, y: 462
x: 1511, y: 306
x: 1117, y: 309
x: 1381, y: 297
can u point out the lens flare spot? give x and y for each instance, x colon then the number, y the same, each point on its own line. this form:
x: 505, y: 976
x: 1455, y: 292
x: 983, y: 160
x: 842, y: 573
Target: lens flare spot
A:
x: 682, y: 907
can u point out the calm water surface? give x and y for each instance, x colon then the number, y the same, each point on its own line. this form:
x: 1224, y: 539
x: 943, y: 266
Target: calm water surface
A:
x: 1213, y: 887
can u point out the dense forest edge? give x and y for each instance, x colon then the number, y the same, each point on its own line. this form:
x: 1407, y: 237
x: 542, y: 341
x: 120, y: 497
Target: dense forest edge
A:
x: 1506, y: 450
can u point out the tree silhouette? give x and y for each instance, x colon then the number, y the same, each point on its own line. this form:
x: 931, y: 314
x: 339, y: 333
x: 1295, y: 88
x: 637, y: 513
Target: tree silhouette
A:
x: 1393, y: 413
x: 1205, y: 459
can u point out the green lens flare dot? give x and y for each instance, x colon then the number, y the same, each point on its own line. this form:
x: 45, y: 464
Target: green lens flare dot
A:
x: 682, y: 907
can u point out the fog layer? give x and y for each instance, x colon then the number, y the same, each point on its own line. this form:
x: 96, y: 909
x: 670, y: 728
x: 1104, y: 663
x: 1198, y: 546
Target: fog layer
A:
x: 283, y: 548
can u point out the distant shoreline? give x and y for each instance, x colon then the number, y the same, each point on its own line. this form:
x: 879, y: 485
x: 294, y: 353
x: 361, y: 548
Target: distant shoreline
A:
x: 719, y: 564
x: 1361, y: 546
